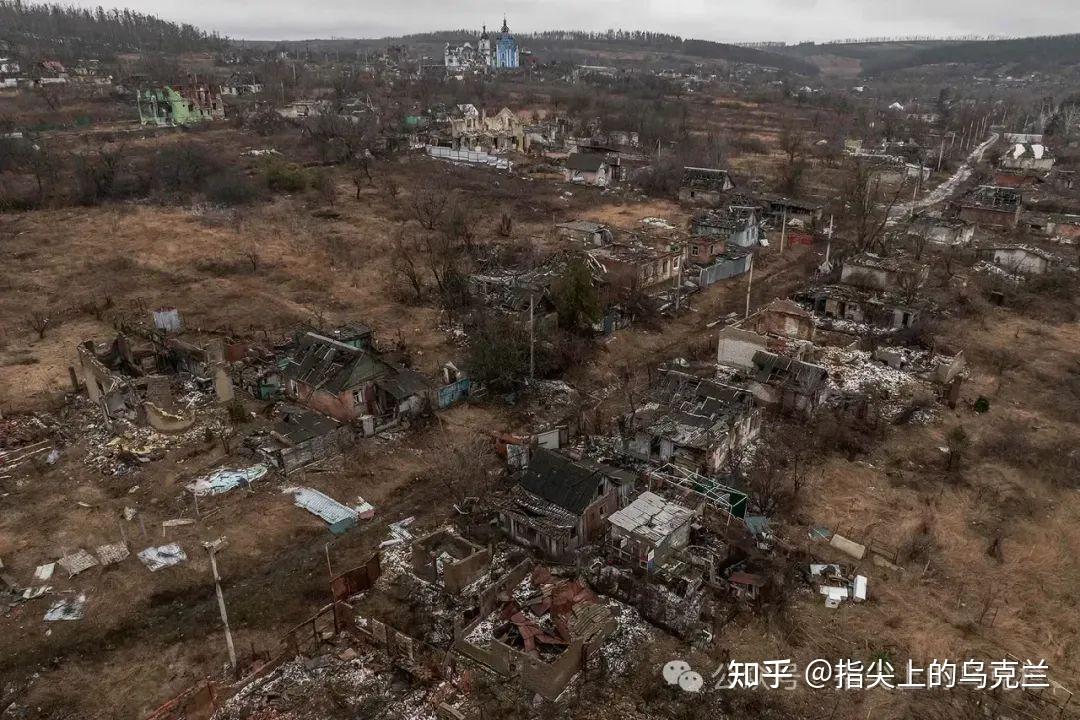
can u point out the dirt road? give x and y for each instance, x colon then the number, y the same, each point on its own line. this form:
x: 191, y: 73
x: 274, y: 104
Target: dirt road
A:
x: 946, y: 189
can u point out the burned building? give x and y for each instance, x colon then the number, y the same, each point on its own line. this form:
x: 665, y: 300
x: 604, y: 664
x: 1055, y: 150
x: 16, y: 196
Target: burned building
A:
x: 876, y: 291
x: 446, y: 559
x: 942, y: 231
x: 585, y: 231
x: 645, y: 533
x: 793, y: 385
x: 179, y: 105
x: 777, y: 207
x: 782, y: 318
x: 692, y: 422
x: 888, y: 311
x: 990, y: 205
x: 535, y: 627
x: 559, y: 504
x: 136, y: 376
x: 591, y: 169
x: 734, y: 225
x: 636, y: 263
x: 333, y: 377
x: 704, y: 185
x: 892, y: 274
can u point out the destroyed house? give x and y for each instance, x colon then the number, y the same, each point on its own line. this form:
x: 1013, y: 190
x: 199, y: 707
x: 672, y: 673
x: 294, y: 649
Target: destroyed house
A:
x: 991, y: 205
x: 301, y: 438
x: 782, y: 318
x: 132, y: 378
x: 590, y: 169
x: 446, y: 559
x: 858, y: 305
x: 642, y: 264
x: 867, y: 270
x: 794, y: 385
x: 720, y: 246
x: 591, y: 233
x: 736, y: 347
x: 735, y: 224
x: 334, y: 378
x: 357, y: 335
x: 535, y: 628
x: 942, y: 231
x: 1027, y: 157
x: 802, y: 211
x: 472, y: 129
x: 560, y: 504
x: 403, y: 393
x: 179, y: 105
x: 692, y: 422
x: 1022, y: 259
x: 704, y: 185
x: 645, y: 533
x: 520, y: 295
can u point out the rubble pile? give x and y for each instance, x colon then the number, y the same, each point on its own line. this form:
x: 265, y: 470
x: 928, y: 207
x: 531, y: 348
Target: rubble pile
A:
x: 313, y: 688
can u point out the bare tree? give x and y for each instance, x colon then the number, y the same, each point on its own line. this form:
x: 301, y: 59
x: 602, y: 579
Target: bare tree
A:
x: 957, y: 443
x: 464, y: 469
x: 868, y: 206
x: 404, y: 260
x: 506, y: 225
x: 778, y: 471
x: 919, y: 242
x: 39, y: 321
x: 390, y: 188
x: 429, y: 206
x: 1004, y: 361
x: 251, y: 254
x: 793, y: 143
x: 343, y: 138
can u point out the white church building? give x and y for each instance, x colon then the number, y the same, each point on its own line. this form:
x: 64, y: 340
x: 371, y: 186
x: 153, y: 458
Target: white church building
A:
x: 498, y: 53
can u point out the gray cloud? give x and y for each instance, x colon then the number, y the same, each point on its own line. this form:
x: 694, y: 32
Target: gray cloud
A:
x: 721, y: 20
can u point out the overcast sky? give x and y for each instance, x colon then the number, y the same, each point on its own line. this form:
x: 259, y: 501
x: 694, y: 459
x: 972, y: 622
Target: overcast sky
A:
x: 720, y: 20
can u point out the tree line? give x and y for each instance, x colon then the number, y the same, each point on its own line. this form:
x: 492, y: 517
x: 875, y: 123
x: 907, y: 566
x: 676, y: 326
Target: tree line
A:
x: 1028, y: 53
x: 707, y: 49
x: 68, y: 30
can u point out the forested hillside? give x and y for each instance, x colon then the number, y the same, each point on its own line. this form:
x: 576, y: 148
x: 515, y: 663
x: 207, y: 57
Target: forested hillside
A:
x: 613, y: 40
x: 1024, y: 53
x: 68, y: 32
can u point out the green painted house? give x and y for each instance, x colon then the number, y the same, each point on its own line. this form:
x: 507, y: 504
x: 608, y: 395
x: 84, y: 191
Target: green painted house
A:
x: 179, y: 105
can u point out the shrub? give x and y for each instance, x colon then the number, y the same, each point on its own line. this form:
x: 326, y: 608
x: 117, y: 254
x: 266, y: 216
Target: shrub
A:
x: 749, y: 145
x: 231, y: 188
x: 284, y: 177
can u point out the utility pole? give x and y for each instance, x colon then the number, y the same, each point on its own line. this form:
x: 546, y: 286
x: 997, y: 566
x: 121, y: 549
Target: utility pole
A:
x: 749, y: 283
x: 532, y: 337
x: 828, y: 247
x: 211, y: 549
x: 783, y: 232
x: 678, y: 283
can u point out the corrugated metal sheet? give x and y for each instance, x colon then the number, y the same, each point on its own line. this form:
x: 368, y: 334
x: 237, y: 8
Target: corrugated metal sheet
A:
x: 651, y: 516
x: 338, y: 516
x: 723, y: 270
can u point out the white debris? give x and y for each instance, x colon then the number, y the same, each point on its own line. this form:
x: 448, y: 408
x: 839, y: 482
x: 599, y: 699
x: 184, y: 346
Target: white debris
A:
x: 156, y: 558
x: 67, y: 609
